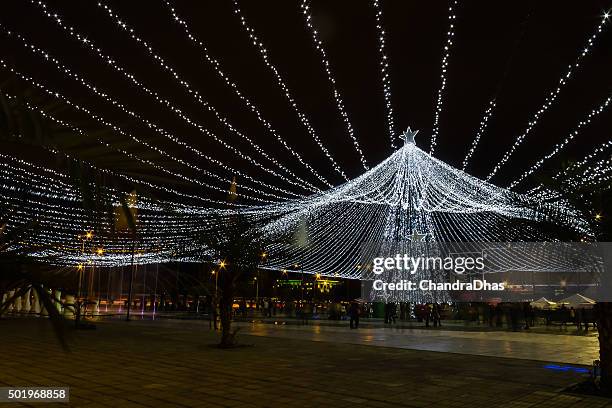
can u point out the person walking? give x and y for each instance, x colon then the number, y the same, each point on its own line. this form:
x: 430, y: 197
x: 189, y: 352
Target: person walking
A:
x: 270, y: 307
x: 354, y: 315
x: 386, y: 313
x: 392, y: 312
x: 243, y: 308
x: 428, y: 314
x: 436, y: 315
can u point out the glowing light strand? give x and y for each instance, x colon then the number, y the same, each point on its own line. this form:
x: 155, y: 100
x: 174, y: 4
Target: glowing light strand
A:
x: 294, y: 180
x: 305, y: 6
x: 450, y: 34
x: 258, y: 44
x: 252, y: 107
x: 198, y: 97
x: 123, y: 133
x: 605, y: 146
x: 559, y: 146
x: 106, y: 96
x: 384, y: 65
x: 552, y: 96
x: 109, y: 172
x: 481, y: 129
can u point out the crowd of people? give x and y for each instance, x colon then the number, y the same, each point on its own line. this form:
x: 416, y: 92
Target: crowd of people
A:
x: 513, y: 316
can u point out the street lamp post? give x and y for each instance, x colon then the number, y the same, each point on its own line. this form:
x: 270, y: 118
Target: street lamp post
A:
x: 263, y: 259
x: 129, y: 305
x: 302, y: 281
x: 221, y: 266
x: 81, y: 268
x: 216, y: 280
x: 256, y: 282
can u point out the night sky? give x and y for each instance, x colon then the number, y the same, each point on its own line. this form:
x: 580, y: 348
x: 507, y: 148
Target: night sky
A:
x: 514, y: 51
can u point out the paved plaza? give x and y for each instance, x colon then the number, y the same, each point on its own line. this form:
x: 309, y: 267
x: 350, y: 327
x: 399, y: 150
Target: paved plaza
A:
x: 570, y: 348
x: 173, y: 364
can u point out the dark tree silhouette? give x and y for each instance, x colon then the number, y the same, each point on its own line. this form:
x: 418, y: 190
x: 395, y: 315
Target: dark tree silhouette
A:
x: 237, y: 246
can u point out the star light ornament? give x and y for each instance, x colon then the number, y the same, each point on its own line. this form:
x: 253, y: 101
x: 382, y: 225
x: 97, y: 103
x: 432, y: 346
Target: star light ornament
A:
x: 408, y: 136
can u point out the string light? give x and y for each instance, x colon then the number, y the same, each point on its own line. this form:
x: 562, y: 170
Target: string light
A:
x: 481, y: 129
x: 578, y: 176
x: 164, y: 102
x: 384, y: 65
x: 59, y: 223
x: 559, y: 146
x: 586, y: 160
x: 410, y: 194
x: 440, y: 99
x: 198, y: 97
x: 130, y: 136
x: 256, y: 42
x: 552, y: 96
x: 217, y: 67
x: 229, y: 82
x: 105, y: 96
x: 305, y: 6
x: 410, y: 191
x: 130, y: 179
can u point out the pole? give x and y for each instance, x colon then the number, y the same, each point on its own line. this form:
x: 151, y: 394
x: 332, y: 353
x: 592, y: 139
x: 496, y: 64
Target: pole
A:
x: 109, y: 270
x: 77, y: 302
x: 302, y: 268
x: 155, y: 295
x: 144, y: 289
x: 129, y: 305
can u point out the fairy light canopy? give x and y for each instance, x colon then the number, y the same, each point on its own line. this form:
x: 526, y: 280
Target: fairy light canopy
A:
x: 340, y: 180
x: 410, y: 196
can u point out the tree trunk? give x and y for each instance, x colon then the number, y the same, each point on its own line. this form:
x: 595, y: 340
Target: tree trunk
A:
x: 604, y: 327
x: 226, y: 302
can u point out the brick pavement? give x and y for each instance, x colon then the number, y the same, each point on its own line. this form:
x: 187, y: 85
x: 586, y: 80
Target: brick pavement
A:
x: 144, y: 364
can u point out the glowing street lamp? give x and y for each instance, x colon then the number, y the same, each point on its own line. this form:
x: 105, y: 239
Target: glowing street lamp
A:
x: 216, y: 275
x: 256, y: 282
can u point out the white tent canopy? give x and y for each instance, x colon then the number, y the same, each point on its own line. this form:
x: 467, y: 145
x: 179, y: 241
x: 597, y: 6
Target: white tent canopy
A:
x: 542, y: 303
x: 577, y: 300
